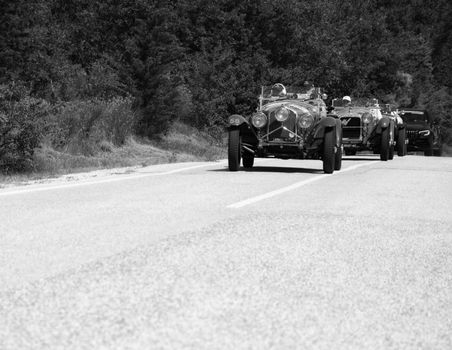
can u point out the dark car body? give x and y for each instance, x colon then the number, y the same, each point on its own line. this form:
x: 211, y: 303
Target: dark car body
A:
x: 364, y: 127
x: 423, y: 135
x: 288, y: 124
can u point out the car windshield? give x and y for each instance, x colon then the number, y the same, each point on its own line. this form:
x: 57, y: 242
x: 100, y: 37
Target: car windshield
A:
x: 414, y: 116
x: 356, y: 102
x: 279, y: 92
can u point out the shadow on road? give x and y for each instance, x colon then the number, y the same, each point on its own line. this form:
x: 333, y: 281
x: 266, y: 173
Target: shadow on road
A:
x: 354, y: 159
x: 274, y: 169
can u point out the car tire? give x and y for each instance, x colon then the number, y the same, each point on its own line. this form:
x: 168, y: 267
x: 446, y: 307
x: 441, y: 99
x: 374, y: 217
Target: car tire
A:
x: 338, y: 154
x: 391, y: 152
x: 329, y: 140
x: 248, y: 160
x: 384, y: 146
x: 401, y: 144
x: 350, y: 152
x: 428, y: 152
x: 234, y: 150
x: 438, y: 152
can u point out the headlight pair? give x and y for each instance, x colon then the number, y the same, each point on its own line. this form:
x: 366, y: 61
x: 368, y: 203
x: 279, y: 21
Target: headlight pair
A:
x: 305, y: 119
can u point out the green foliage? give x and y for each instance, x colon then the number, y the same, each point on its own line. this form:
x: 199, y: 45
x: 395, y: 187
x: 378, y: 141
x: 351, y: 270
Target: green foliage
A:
x: 85, y: 127
x: 20, y: 127
x: 199, y: 61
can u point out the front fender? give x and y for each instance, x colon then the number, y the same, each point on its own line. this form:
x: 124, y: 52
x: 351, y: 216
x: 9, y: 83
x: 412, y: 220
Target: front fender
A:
x: 383, y: 123
x: 236, y: 120
x: 328, y: 122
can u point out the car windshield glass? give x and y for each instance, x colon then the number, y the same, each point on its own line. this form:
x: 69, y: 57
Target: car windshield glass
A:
x: 273, y: 93
x: 414, y: 117
x: 356, y: 102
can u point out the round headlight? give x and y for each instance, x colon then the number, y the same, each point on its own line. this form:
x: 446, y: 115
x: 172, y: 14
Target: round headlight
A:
x: 282, y: 114
x: 259, y: 120
x: 305, y: 120
x: 367, y: 118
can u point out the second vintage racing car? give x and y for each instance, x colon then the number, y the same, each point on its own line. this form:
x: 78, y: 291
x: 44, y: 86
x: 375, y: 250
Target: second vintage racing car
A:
x: 400, y: 137
x: 289, y: 123
x: 364, y: 127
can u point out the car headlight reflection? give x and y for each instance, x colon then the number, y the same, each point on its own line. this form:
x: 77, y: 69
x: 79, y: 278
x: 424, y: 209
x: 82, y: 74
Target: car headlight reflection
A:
x: 259, y: 120
x: 282, y: 114
x: 305, y: 120
x: 424, y: 132
x: 367, y: 118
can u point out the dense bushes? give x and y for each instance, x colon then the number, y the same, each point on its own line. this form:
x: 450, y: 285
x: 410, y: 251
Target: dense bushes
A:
x: 96, y: 70
x: 77, y: 127
x: 20, y: 127
x: 85, y: 127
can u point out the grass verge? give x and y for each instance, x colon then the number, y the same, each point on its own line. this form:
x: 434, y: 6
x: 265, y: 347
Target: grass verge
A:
x: 182, y: 143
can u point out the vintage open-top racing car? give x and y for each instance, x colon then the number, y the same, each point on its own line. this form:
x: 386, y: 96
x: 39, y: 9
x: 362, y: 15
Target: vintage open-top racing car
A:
x: 364, y: 127
x: 400, y: 136
x: 288, y: 123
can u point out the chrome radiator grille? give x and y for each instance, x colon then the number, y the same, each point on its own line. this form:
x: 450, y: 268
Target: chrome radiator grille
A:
x: 351, y: 127
x: 412, y: 134
x: 284, y: 131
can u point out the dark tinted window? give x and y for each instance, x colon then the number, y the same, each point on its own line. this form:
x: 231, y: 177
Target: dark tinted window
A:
x: 415, y: 117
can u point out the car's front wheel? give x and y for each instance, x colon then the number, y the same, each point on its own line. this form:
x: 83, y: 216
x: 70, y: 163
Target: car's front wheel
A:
x: 438, y: 152
x: 234, y: 150
x: 429, y: 151
x: 338, y: 154
x: 401, y: 145
x: 384, y: 146
x: 329, y: 140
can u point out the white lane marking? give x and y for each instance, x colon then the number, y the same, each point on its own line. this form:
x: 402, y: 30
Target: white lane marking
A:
x: 267, y: 195
x: 100, y: 181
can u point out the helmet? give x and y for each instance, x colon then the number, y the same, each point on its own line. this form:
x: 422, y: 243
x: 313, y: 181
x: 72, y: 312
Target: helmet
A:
x: 346, y: 98
x: 278, y: 89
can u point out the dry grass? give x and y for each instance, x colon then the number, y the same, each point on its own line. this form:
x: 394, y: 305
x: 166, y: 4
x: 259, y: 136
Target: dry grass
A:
x: 181, y: 144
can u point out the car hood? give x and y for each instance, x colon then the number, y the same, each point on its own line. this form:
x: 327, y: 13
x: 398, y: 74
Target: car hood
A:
x: 356, y: 112
x: 416, y: 127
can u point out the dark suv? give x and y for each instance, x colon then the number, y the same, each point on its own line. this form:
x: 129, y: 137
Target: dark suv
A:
x: 422, y: 134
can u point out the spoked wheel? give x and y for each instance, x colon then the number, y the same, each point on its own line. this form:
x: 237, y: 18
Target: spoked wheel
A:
x: 329, y: 140
x: 401, y: 145
x: 384, y: 146
x: 234, y: 150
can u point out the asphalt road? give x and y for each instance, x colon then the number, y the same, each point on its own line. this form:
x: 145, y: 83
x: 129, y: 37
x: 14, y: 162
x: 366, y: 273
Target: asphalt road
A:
x: 192, y: 256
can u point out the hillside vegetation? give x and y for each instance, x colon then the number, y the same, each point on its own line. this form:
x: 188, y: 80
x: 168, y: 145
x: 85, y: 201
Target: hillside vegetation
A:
x: 83, y: 79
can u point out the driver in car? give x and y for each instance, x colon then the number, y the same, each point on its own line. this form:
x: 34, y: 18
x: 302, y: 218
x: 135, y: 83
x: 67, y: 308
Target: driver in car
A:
x: 278, y: 90
x: 346, y: 101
